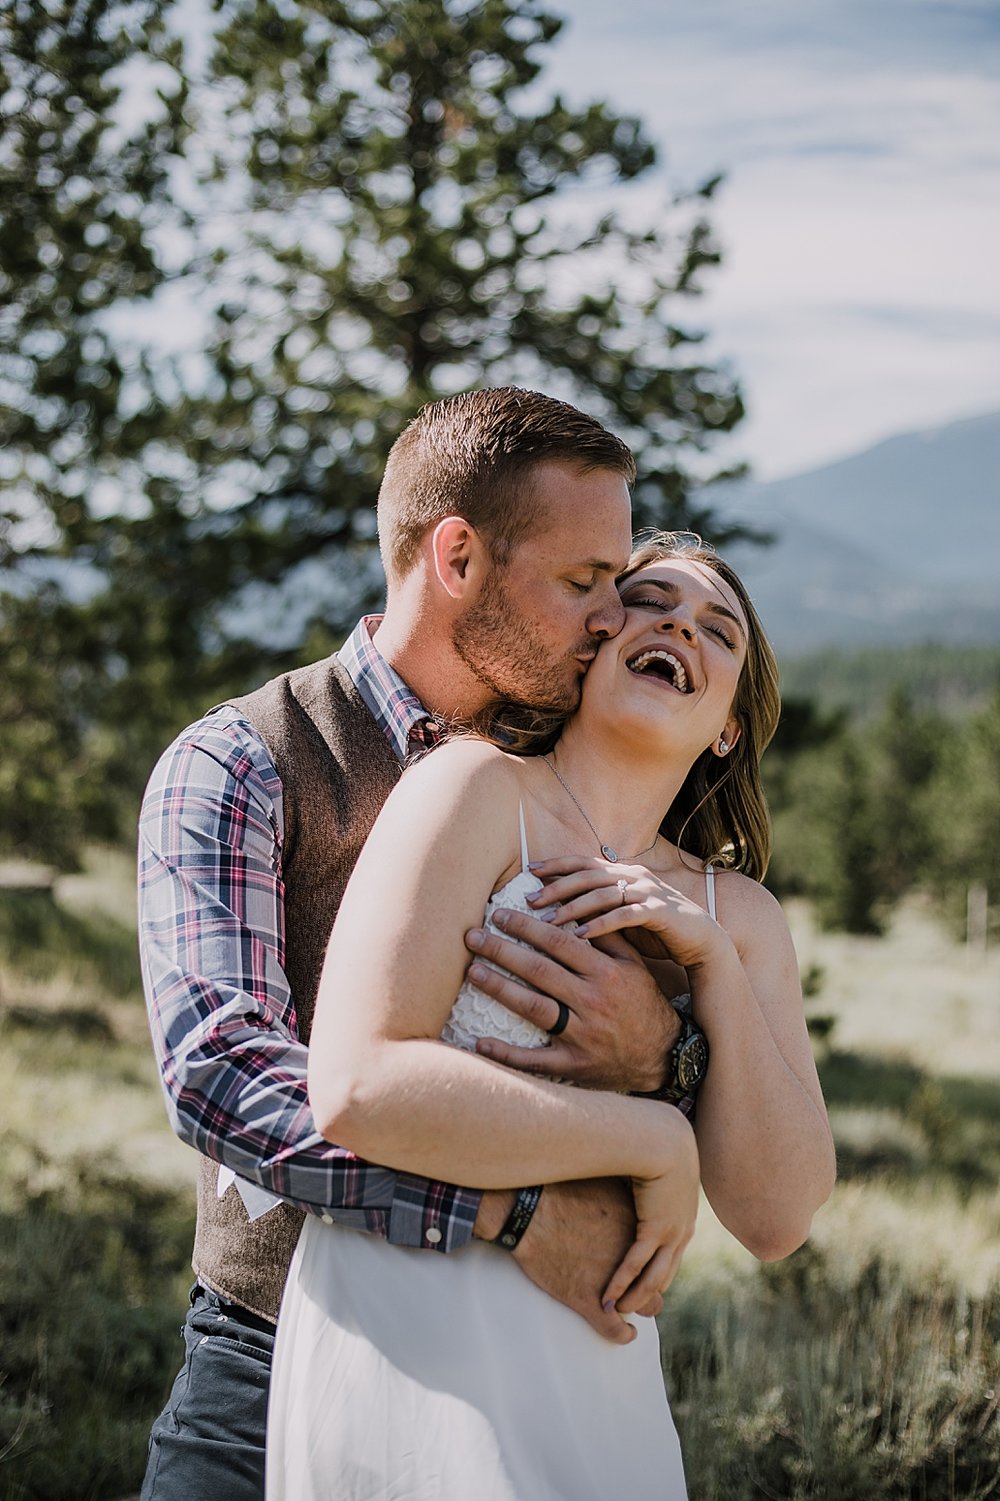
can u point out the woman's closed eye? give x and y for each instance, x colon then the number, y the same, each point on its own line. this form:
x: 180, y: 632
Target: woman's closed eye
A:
x: 654, y: 602
x: 718, y: 630
x: 664, y: 607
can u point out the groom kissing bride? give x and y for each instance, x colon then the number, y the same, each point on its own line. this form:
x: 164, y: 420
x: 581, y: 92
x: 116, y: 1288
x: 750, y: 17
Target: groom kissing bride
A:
x: 504, y: 522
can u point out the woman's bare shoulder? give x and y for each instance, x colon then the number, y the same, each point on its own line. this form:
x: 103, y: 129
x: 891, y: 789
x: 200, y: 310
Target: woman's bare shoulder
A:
x: 461, y: 771
x: 465, y: 757
x: 458, y: 803
x: 747, y: 909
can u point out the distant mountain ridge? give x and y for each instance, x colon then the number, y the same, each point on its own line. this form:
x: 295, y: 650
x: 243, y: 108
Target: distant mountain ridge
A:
x: 892, y: 546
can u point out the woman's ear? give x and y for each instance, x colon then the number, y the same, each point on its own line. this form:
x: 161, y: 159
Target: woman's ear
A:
x: 726, y: 741
x: 456, y: 552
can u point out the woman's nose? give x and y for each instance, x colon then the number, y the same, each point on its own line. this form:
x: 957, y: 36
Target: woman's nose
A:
x: 681, y: 623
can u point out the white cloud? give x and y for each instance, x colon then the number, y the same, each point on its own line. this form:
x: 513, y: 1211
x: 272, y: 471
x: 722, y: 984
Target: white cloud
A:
x: 861, y: 216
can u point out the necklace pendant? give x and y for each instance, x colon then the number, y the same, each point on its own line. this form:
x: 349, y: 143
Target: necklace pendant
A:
x: 609, y: 853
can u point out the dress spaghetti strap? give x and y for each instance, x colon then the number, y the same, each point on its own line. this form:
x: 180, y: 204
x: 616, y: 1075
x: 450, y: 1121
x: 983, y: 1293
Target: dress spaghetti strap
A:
x: 710, y: 890
x: 524, y: 838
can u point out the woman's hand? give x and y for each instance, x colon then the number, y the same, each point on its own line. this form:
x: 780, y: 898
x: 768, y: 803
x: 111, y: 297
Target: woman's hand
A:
x: 666, y: 1206
x: 601, y: 898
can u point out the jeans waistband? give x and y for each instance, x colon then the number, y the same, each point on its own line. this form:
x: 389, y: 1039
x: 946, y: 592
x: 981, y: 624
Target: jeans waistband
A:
x: 233, y: 1310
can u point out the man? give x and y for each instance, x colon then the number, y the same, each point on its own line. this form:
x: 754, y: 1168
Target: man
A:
x: 504, y: 518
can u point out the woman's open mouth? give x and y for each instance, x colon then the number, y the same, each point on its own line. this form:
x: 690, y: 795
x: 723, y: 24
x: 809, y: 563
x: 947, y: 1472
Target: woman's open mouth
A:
x: 663, y: 665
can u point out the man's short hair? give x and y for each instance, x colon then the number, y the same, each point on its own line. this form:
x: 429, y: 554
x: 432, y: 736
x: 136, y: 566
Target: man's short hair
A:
x: 471, y: 456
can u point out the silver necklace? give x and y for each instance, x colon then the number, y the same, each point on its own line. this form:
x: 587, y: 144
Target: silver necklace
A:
x: 606, y: 850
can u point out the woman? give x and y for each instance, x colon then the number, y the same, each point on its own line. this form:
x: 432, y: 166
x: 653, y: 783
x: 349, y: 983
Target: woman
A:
x: 400, y: 1374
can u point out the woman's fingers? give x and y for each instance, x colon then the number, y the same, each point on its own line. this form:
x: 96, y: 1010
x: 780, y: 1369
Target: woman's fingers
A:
x: 650, y: 1265
x: 647, y: 1269
x: 595, y: 876
x: 591, y: 904
x: 628, y: 1270
x: 569, y: 886
x: 590, y: 899
x: 647, y: 1308
x: 633, y: 915
x: 652, y: 1282
x: 562, y: 865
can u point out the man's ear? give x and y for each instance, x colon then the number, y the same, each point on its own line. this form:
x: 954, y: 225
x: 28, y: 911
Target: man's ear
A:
x: 728, y: 738
x: 457, y: 552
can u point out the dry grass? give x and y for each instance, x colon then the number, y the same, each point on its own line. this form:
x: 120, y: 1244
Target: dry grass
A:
x: 865, y: 1366
x: 868, y: 1364
x: 912, y: 999
x: 77, y: 1074
x: 914, y: 994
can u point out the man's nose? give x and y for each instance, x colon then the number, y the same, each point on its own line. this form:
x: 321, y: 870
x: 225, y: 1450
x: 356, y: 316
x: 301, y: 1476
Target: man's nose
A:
x: 609, y: 619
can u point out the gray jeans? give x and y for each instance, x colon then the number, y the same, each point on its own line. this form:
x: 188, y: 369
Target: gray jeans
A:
x: 208, y: 1442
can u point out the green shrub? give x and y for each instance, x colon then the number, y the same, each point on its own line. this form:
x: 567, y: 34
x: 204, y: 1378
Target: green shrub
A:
x: 803, y: 1387
x: 92, y: 1283
x: 41, y: 938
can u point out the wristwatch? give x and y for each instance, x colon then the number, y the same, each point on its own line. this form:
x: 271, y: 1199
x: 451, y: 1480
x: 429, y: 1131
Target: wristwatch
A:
x: 687, y: 1064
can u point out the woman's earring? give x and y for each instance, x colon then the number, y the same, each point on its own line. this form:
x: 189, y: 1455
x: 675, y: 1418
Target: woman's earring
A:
x: 723, y: 747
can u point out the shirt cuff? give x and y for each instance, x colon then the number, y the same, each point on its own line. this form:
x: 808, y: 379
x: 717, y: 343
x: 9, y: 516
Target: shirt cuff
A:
x: 432, y: 1216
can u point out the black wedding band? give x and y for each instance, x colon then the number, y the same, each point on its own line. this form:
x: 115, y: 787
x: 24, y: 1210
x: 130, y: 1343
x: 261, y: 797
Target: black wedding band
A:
x: 561, y: 1020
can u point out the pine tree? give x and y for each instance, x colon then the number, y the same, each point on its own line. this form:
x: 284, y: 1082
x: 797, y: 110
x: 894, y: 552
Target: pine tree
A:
x: 81, y: 197
x: 378, y: 216
x: 386, y: 228
x: 964, y: 814
x: 84, y: 190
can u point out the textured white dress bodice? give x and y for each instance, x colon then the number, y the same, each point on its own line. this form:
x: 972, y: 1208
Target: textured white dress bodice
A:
x: 476, y: 1014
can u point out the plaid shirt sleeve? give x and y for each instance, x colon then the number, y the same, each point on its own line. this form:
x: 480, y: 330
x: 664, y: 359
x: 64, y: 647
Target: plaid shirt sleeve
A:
x: 211, y: 927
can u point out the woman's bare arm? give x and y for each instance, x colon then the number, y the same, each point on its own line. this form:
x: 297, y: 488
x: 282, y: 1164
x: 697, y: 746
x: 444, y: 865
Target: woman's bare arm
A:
x: 380, y: 1081
x: 767, y: 1153
x: 766, y: 1150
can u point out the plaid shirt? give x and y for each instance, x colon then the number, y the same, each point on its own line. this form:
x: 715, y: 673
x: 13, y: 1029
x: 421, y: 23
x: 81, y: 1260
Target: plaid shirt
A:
x: 212, y: 938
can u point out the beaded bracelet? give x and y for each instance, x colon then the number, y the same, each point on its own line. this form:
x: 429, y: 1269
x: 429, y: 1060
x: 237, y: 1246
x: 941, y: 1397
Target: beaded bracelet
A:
x: 519, y: 1218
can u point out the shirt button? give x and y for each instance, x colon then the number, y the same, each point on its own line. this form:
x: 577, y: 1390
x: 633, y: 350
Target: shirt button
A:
x: 326, y: 1218
x: 433, y: 1235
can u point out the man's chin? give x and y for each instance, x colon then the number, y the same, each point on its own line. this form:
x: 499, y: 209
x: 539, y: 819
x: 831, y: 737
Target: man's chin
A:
x: 546, y: 693
x: 564, y: 700
x: 569, y: 700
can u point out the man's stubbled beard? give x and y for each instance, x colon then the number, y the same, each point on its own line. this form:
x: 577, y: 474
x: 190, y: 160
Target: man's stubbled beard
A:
x: 498, y: 648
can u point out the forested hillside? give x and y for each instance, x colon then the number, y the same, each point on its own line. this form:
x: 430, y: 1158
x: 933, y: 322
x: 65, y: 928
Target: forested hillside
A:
x: 952, y: 680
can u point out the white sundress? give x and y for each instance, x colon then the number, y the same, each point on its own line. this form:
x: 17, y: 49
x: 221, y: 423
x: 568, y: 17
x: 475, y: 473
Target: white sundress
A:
x: 406, y: 1375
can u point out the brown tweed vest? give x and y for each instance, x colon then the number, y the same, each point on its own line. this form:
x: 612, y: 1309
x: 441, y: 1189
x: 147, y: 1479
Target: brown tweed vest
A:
x: 337, y: 769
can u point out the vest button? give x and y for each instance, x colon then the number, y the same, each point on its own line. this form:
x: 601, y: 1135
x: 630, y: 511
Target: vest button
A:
x: 433, y: 1235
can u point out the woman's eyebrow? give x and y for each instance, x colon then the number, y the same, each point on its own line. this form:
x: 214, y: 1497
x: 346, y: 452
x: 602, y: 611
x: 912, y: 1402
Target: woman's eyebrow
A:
x: 728, y: 614
x: 665, y: 586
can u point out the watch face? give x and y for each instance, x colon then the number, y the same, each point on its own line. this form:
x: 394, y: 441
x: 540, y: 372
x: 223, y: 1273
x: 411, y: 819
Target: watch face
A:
x: 692, y: 1061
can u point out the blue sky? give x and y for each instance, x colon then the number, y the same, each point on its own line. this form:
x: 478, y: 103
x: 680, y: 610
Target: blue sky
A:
x: 861, y: 212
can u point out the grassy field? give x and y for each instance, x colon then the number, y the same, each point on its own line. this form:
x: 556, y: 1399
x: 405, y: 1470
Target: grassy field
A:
x: 868, y: 1364
x: 865, y: 1366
